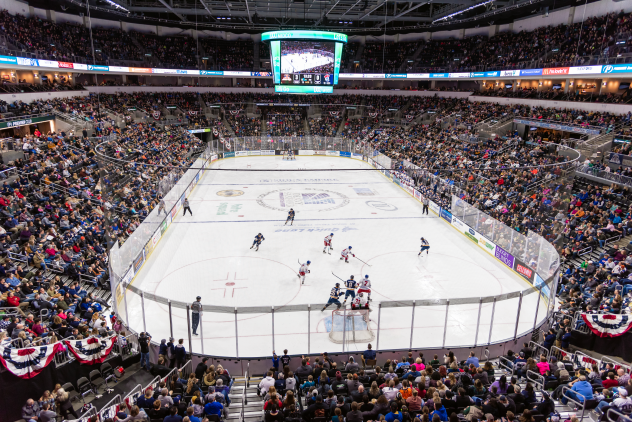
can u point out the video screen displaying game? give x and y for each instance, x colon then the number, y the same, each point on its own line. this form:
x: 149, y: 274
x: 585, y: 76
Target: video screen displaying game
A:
x: 307, y: 62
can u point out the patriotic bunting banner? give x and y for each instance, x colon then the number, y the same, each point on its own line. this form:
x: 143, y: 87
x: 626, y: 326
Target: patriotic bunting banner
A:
x: 192, y: 113
x: 156, y: 115
x: 215, y: 132
x: 334, y: 113
x: 30, y: 361
x: 607, y: 325
x: 235, y: 112
x: 228, y: 146
x: 372, y: 114
x: 409, y: 117
x: 91, y: 350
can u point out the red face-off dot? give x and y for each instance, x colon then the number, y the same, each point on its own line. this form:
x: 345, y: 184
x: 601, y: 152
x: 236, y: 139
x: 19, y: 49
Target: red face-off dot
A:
x: 230, y: 283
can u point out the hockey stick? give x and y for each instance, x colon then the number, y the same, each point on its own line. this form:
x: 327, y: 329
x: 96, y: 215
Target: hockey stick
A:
x: 337, y: 277
x: 362, y: 261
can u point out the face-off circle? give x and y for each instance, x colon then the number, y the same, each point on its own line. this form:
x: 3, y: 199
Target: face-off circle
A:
x: 303, y: 198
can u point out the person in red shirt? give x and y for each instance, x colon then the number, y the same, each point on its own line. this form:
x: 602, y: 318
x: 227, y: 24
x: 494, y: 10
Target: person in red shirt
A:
x: 610, y: 382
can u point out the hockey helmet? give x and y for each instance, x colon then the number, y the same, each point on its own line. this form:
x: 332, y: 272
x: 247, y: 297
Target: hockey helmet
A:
x: 349, y: 247
x: 309, y: 262
x: 351, y: 277
x: 366, y: 276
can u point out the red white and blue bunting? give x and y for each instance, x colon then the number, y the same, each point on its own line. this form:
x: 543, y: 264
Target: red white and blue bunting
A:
x: 156, y: 115
x: 608, y: 325
x: 91, y: 350
x: 334, y: 113
x: 193, y: 113
x: 234, y: 112
x: 30, y: 361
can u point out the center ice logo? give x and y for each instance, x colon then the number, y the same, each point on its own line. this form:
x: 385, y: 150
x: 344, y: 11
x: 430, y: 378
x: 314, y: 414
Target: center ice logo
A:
x: 309, y: 198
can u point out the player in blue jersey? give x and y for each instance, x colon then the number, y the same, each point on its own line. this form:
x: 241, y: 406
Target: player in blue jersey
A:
x: 333, y: 297
x: 425, y: 246
x: 290, y: 217
x: 258, y: 239
x: 350, y: 285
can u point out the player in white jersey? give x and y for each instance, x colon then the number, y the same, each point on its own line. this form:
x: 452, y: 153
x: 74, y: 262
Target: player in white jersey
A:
x: 345, y: 254
x: 303, y: 270
x: 359, y: 302
x: 328, y: 240
x: 365, y: 287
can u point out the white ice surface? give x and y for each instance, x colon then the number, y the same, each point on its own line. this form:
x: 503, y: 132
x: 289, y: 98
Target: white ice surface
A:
x: 208, y: 254
x: 293, y: 63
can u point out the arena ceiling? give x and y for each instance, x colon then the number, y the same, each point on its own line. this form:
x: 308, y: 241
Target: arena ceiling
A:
x: 350, y: 16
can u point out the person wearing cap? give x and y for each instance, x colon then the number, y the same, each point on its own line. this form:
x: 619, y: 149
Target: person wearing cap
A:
x: 580, y: 391
x: 622, y: 403
x: 196, y: 311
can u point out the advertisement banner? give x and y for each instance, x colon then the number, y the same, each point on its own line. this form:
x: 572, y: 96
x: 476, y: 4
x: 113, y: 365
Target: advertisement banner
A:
x: 395, y: 76
x: 557, y: 126
x: 417, y: 195
x: 524, y: 270
x: 460, y: 75
x: 616, y: 68
x: 320, y: 152
x: 509, y: 73
x: 358, y: 156
x: 293, y: 89
x: 229, y: 154
x: 214, y: 157
x: 275, y: 50
x: 487, y: 244
x: 118, y: 69
x: 163, y: 227
x: 13, y: 60
x: 99, y: 67
x: 545, y: 290
x: 621, y: 159
x: 434, y: 207
x: 241, y: 153
x: 211, y: 72
x: 337, y: 60
x: 556, y: 71
x: 344, y: 154
x: 336, y: 153
x: 254, y: 152
x: 65, y: 65
x: 446, y: 215
x: 140, y: 70
x: 232, y: 73
x: 418, y: 75
x: 47, y: 63
x: 504, y: 256
x: 268, y: 152
x: 439, y: 75
x: 531, y: 72
x: 305, y: 152
x: 303, y: 35
x: 138, y: 262
x: 581, y: 70
x: 22, y: 61
x: 24, y: 122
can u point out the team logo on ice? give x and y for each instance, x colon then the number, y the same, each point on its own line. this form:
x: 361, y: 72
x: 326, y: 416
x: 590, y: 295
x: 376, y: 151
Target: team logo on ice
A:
x: 311, y: 198
x: 382, y: 206
x: 229, y: 193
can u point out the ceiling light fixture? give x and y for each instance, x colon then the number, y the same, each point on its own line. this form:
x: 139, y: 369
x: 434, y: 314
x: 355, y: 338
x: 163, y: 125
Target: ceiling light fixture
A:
x: 462, y: 11
x: 116, y: 5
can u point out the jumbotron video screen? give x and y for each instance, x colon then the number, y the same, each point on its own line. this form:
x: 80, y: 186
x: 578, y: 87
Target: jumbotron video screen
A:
x: 305, y: 62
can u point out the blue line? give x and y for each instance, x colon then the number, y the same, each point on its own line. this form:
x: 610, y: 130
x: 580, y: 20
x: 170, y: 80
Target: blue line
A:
x: 311, y: 219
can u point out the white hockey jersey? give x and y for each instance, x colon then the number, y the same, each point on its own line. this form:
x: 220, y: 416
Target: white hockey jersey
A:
x: 365, y: 284
x: 304, y: 269
x: 328, y: 238
x: 359, y: 302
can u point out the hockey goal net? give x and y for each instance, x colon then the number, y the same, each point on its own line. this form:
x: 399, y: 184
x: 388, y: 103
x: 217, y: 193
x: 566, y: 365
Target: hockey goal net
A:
x: 287, y: 156
x: 351, y: 326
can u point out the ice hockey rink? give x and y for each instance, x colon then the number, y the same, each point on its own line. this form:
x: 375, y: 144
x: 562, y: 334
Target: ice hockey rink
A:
x: 208, y: 254
x: 293, y: 63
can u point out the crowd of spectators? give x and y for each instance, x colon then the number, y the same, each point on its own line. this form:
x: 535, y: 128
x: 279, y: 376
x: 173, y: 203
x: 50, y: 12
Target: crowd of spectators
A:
x: 559, y: 95
x: 229, y: 55
x: 285, y: 121
x: 181, y: 52
x: 243, y: 125
x: 325, y: 125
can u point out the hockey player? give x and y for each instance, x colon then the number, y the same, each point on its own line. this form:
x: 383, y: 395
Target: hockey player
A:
x: 290, y: 155
x: 365, y: 287
x: 328, y: 240
x: 258, y: 239
x: 290, y: 217
x: 333, y: 297
x: 359, y: 302
x: 345, y: 254
x: 424, y: 246
x: 303, y: 270
x: 350, y: 285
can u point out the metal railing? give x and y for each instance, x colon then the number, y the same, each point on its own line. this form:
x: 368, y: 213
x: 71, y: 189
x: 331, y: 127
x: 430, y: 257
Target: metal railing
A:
x: 507, y: 365
x: 617, y: 365
x: 85, y: 417
x: 560, y: 354
x: 585, y: 361
x: 613, y: 177
x: 111, y: 408
x: 615, y: 415
x: 579, y: 404
x: 536, y: 379
x: 538, y: 349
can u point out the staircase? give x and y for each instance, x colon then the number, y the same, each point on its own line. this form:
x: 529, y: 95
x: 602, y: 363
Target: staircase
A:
x: 245, y: 405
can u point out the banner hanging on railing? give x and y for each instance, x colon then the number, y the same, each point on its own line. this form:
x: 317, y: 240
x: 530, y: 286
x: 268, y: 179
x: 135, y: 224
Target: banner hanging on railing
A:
x: 155, y: 115
x: 30, y: 361
x: 91, y: 350
x: 608, y: 325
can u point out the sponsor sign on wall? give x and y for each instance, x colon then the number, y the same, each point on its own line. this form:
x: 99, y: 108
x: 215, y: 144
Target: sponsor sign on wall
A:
x: 336, y: 153
x: 319, y: 152
x: 344, y: 154
x: 305, y: 152
x: 229, y: 154
x: 434, y: 207
x: 524, y: 270
x: 254, y: 152
x: 504, y: 256
x: 447, y: 216
x: 267, y: 152
x: 241, y: 153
